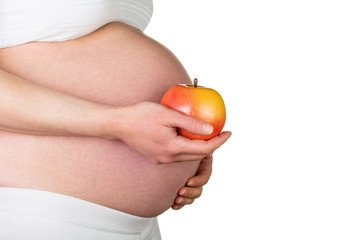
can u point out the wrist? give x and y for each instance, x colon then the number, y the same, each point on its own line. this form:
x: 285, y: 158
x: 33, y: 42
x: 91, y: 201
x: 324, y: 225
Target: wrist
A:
x: 110, y: 123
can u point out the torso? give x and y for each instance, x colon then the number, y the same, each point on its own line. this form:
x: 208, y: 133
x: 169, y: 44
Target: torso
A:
x: 116, y: 65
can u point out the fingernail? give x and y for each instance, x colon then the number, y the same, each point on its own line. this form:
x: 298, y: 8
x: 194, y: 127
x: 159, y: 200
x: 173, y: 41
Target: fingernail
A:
x: 183, y: 191
x: 177, y: 207
x: 207, y: 128
x: 190, y: 183
x: 181, y: 200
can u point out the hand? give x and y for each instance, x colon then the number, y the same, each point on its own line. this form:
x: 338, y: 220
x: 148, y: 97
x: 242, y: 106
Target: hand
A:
x: 150, y: 129
x: 194, y: 186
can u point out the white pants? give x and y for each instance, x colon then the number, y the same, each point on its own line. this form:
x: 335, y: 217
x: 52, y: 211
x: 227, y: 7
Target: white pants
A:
x: 27, y: 214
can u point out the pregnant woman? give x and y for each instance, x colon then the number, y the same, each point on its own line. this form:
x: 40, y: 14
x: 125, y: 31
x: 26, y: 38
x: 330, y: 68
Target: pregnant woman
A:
x: 86, y: 151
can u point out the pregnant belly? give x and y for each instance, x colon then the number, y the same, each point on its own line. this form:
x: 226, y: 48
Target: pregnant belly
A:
x: 116, y: 65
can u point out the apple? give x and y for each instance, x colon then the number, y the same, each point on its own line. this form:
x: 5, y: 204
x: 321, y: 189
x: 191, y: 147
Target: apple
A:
x: 199, y: 102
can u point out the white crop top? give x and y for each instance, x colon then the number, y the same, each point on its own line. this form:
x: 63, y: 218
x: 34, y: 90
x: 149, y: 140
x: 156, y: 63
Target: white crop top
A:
x: 23, y: 21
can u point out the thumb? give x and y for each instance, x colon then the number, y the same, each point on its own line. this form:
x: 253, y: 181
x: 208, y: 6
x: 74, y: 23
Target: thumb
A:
x: 193, y: 125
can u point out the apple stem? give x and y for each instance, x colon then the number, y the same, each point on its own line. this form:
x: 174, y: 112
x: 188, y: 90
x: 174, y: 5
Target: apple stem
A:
x: 195, y: 82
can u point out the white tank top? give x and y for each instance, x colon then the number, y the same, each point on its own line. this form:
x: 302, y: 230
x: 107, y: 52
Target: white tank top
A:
x: 23, y: 21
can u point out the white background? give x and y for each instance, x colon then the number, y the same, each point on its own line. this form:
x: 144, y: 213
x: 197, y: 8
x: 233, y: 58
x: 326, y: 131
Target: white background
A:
x: 277, y: 66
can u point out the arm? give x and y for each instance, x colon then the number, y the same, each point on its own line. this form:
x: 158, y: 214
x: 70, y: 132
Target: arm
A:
x: 29, y: 108
x: 147, y: 127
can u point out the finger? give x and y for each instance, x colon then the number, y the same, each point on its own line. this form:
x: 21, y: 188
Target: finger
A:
x: 219, y: 140
x: 198, y: 181
x: 191, y: 124
x: 177, y: 206
x: 190, y: 192
x: 203, y: 173
x: 184, y: 201
x: 200, y: 147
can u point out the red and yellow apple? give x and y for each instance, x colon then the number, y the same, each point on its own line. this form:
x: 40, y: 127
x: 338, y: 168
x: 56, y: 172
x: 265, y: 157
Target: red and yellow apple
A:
x: 199, y: 102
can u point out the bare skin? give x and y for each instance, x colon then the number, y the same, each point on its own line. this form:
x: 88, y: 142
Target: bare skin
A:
x: 83, y: 121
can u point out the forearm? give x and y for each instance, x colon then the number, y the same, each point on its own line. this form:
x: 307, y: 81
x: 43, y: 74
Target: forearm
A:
x: 29, y: 108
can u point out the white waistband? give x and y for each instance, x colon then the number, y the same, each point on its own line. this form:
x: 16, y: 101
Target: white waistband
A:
x: 70, y: 209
